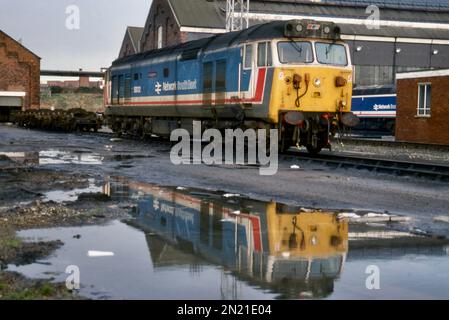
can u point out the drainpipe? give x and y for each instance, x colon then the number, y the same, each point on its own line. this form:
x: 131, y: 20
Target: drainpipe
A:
x: 394, y: 59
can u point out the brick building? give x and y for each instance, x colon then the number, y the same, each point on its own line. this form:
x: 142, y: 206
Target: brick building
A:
x: 131, y: 42
x: 423, y: 107
x: 19, y: 77
x: 75, y: 84
x: 171, y: 22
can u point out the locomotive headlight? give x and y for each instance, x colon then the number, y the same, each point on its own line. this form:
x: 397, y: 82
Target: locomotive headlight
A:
x: 299, y: 27
x: 327, y: 30
x: 317, y: 82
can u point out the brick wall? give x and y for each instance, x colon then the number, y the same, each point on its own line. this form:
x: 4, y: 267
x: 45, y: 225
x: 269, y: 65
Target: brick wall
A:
x: 431, y: 130
x: 127, y: 48
x: 19, y: 70
x: 84, y: 82
x: 161, y: 15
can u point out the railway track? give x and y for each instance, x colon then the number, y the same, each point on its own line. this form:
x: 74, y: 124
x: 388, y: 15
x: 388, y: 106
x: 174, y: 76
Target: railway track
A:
x: 400, y: 168
x: 393, y: 144
x: 428, y: 170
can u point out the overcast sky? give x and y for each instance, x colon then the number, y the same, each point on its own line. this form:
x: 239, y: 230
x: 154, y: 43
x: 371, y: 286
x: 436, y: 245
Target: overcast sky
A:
x: 41, y: 24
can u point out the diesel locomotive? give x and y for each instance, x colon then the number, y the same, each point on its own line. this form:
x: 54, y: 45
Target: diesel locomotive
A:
x: 293, y: 76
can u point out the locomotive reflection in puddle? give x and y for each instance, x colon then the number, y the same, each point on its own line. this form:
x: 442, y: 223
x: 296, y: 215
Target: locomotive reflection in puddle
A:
x: 282, y: 249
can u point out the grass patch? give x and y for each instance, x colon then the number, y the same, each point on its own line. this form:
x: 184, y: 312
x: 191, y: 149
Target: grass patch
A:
x: 47, y: 290
x: 16, y: 287
x: 12, y: 243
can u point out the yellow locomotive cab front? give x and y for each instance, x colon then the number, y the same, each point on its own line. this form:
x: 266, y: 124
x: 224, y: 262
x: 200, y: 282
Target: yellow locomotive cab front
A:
x: 311, y: 92
x: 311, y: 89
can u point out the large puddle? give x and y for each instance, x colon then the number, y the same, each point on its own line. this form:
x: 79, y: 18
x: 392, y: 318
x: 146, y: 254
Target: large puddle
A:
x: 61, y: 196
x: 55, y: 157
x: 65, y: 157
x: 72, y: 157
x: 193, y: 244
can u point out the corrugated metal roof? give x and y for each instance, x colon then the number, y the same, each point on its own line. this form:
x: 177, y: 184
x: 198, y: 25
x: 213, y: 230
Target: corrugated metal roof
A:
x: 136, y: 34
x: 421, y: 33
x: 346, y: 11
x: 399, y: 32
x: 211, y: 13
x: 200, y: 13
x: 408, y: 4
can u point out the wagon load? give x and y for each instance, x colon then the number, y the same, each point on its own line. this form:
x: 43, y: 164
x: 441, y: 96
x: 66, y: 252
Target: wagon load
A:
x: 59, y: 120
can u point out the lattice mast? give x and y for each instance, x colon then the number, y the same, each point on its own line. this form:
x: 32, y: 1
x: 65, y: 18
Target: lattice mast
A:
x: 237, y: 15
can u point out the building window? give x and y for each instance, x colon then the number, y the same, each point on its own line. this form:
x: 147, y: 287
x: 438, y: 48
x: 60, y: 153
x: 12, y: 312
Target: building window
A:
x: 373, y: 75
x: 424, y: 99
x: 160, y: 32
x: 264, y: 56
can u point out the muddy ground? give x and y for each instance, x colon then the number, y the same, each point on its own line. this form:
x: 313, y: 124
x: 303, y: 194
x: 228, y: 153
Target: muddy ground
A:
x: 14, y: 251
x: 54, y: 180
x: 21, y: 207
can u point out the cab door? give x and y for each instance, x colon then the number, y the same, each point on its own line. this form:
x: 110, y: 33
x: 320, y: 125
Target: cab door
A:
x: 208, y: 83
x: 247, y: 74
x: 121, y: 89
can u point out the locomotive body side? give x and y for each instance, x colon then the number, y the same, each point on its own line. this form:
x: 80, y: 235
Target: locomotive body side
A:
x: 171, y: 87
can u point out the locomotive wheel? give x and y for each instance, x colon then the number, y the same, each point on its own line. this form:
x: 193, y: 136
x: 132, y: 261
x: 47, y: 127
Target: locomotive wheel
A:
x: 313, y: 150
x: 286, y: 139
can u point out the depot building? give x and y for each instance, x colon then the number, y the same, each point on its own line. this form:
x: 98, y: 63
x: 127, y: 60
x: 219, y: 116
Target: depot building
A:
x: 423, y: 107
x: 19, y: 77
x: 409, y: 35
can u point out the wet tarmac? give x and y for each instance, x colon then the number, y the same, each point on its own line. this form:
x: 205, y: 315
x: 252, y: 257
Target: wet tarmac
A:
x: 309, y: 232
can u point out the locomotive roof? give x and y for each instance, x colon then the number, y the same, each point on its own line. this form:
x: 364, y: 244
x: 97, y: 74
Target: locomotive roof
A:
x: 270, y: 30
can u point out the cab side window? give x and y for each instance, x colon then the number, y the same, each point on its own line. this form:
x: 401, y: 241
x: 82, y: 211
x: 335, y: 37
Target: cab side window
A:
x: 264, y: 55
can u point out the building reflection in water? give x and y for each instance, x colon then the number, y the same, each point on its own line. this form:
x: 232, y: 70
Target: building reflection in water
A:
x: 282, y: 249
